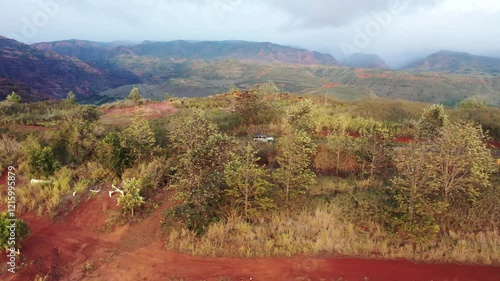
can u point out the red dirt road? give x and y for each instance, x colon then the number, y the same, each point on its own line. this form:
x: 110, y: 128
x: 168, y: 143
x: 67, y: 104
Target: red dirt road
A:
x: 72, y: 250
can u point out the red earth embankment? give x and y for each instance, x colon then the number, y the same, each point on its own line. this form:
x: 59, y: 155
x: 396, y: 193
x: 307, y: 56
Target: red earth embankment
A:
x: 72, y: 249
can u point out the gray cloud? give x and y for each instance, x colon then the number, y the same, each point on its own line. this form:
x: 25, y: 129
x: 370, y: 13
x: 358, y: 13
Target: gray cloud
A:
x: 423, y: 26
x: 336, y: 13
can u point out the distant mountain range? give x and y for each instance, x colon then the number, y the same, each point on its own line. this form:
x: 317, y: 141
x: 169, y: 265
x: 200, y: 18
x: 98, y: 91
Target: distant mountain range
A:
x: 178, y: 50
x: 101, y: 72
x: 456, y: 62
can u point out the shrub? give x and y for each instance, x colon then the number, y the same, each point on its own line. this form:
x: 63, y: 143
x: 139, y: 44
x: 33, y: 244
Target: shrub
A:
x: 135, y: 94
x: 131, y: 198
x: 14, y: 98
x: 21, y: 231
x: 47, y: 198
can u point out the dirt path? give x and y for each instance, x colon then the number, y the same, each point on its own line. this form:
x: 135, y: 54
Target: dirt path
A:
x: 72, y: 250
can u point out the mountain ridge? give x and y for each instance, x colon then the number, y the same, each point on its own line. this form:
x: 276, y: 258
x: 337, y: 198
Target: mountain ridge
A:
x: 184, y: 49
x: 456, y: 62
x: 48, y: 74
x: 191, y: 69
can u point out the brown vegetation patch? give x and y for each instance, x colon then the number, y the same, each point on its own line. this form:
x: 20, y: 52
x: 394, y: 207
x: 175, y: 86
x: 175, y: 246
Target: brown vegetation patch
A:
x: 330, y: 85
x: 122, y: 116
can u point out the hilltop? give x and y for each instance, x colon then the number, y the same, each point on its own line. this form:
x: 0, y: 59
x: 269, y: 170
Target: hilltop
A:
x: 360, y: 60
x: 39, y: 75
x: 180, y: 49
x: 458, y: 63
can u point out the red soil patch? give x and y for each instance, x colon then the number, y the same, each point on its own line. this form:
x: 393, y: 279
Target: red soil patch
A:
x: 495, y: 143
x: 97, y: 211
x: 64, y: 249
x: 330, y: 85
x: 404, y: 140
x: 263, y: 72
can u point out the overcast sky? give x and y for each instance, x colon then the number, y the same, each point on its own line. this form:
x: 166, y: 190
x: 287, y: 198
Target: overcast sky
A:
x: 397, y: 30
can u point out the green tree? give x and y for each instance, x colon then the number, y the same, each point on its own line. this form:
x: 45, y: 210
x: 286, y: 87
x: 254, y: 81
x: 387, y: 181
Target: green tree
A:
x: 301, y: 115
x: 199, y: 180
x: 168, y: 96
x: 14, y: 98
x: 71, y: 97
x: 471, y: 103
x: 463, y: 161
x: 21, y: 230
x: 436, y: 175
x: 267, y: 88
x: 375, y: 148
x: 76, y: 138
x: 139, y: 138
x: 135, y: 94
x: 295, y: 149
x: 417, y: 193
x: 113, y: 155
x: 340, y: 145
x: 247, y: 184
x: 130, y: 199
x: 433, y: 119
x: 248, y: 104
x: 42, y: 162
x: 189, y: 130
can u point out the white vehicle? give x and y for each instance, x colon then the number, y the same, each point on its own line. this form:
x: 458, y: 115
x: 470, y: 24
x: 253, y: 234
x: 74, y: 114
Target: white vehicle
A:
x: 263, y: 138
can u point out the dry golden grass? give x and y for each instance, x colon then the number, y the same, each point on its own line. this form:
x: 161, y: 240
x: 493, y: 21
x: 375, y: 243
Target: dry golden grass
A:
x: 324, y: 232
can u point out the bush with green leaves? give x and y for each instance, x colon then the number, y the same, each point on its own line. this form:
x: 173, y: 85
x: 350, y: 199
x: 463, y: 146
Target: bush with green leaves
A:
x: 113, y: 155
x: 139, y: 139
x: 47, y: 198
x: 71, y: 97
x: 436, y: 176
x: 433, y: 119
x: 20, y: 228
x: 135, y: 94
x: 295, y: 150
x: 248, y: 186
x: 471, y: 102
x: 130, y: 199
x: 374, y: 149
x: 13, y: 97
x: 42, y: 162
x: 202, y: 151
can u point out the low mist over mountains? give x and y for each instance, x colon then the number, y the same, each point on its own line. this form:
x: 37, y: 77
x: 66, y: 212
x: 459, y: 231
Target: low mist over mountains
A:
x: 359, y: 60
x: 100, y: 72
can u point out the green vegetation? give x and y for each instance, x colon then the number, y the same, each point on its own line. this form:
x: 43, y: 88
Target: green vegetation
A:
x: 71, y: 97
x: 375, y: 178
x: 131, y: 199
x: 247, y: 184
x: 20, y: 229
x: 13, y: 97
x: 432, y: 121
x: 135, y: 94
